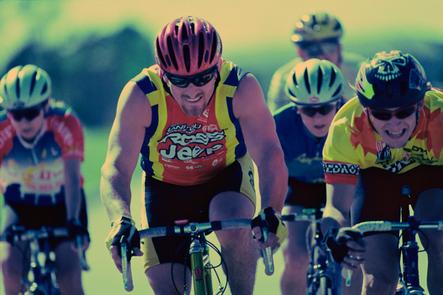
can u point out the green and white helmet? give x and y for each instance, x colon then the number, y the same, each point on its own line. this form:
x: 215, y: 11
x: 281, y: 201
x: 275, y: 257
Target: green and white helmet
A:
x: 24, y: 86
x: 315, y: 82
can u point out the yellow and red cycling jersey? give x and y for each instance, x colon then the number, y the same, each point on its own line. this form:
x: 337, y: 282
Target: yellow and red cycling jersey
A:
x: 352, y: 144
x: 189, y: 150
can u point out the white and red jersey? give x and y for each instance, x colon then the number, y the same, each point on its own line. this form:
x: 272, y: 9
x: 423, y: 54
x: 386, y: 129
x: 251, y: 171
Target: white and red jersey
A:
x: 35, y: 169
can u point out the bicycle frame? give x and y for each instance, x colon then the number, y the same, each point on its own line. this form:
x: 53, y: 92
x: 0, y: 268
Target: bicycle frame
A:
x: 319, y: 275
x: 200, y: 265
x: 409, y: 249
x: 41, y: 278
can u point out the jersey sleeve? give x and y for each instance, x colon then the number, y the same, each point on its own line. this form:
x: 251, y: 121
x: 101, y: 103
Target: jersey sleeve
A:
x: 69, y: 135
x: 340, y: 160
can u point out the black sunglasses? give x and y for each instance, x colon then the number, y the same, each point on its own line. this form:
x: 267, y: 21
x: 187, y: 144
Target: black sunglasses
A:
x: 314, y: 49
x: 198, y: 80
x: 385, y: 115
x: 29, y: 114
x: 322, y: 110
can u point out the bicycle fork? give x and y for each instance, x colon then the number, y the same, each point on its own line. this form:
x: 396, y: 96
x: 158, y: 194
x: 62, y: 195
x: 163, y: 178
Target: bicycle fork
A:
x: 200, y: 267
x: 410, y: 263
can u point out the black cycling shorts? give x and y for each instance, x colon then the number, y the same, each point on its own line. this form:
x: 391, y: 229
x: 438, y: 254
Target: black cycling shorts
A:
x: 306, y: 195
x: 34, y: 217
x: 379, y: 195
x: 166, y: 203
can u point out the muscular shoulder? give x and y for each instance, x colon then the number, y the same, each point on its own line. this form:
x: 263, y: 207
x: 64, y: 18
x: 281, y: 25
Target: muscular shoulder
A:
x: 133, y: 105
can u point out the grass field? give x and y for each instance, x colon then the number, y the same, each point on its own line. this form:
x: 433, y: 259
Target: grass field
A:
x: 103, y: 277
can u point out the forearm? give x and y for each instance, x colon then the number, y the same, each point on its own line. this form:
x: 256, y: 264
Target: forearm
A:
x: 73, y: 197
x: 115, y: 193
x: 338, y: 205
x: 273, y: 179
x: 72, y: 187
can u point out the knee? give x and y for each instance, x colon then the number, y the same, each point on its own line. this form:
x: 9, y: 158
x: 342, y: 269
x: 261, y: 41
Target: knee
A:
x: 296, y: 257
x: 435, y: 244
x: 234, y: 238
x: 12, y: 272
x: 381, y: 277
x: 69, y: 280
x: 11, y: 266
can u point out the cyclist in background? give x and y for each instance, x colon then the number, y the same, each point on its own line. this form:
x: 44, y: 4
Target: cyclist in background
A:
x: 315, y: 88
x: 41, y: 150
x: 194, y: 117
x: 316, y: 35
x: 388, y: 137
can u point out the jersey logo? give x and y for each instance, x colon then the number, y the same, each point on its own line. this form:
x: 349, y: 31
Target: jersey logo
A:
x: 383, y: 153
x: 184, y: 142
x: 388, y: 67
x: 341, y: 168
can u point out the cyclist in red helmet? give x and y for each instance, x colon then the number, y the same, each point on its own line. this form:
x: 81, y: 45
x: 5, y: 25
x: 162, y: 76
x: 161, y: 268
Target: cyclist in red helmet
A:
x: 387, y: 137
x: 194, y: 118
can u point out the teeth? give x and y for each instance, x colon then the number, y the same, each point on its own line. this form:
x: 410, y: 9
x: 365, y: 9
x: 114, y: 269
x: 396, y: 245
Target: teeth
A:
x: 396, y: 134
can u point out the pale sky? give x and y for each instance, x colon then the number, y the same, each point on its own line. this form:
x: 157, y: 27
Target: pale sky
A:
x: 244, y: 23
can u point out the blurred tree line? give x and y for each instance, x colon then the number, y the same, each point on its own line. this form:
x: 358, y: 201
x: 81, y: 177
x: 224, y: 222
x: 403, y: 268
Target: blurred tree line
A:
x: 89, y: 73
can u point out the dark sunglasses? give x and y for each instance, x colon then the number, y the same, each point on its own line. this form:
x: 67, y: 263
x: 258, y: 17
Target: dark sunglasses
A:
x: 198, y: 80
x: 314, y: 49
x: 322, y: 110
x: 385, y: 115
x: 29, y: 114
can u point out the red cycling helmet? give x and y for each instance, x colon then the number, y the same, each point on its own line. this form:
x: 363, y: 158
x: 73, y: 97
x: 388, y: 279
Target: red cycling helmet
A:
x: 187, y: 46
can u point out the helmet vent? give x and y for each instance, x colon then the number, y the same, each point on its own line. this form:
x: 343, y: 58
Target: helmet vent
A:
x: 201, y: 49
x: 213, y: 46
x: 333, y: 77
x: 336, y: 92
x: 17, y: 87
x: 187, y: 57
x: 171, y: 52
x: 33, y: 80
x: 159, y: 53
x: 184, y: 34
x: 307, y: 84
x: 294, y: 79
x: 44, y: 89
x: 319, y: 79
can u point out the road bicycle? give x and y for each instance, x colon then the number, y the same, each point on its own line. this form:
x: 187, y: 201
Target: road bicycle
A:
x: 40, y: 277
x: 409, y: 227
x: 321, y: 276
x: 201, y: 267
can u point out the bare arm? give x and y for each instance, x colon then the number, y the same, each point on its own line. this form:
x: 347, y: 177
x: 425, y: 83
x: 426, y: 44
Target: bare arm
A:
x: 72, y: 187
x: 125, y: 140
x: 339, y: 198
x: 261, y: 139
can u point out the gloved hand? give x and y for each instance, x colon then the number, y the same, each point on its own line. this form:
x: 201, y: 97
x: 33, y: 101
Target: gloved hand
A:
x: 78, y: 233
x: 76, y: 229
x: 347, y: 246
x: 11, y: 231
x: 124, y: 230
x: 267, y: 219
